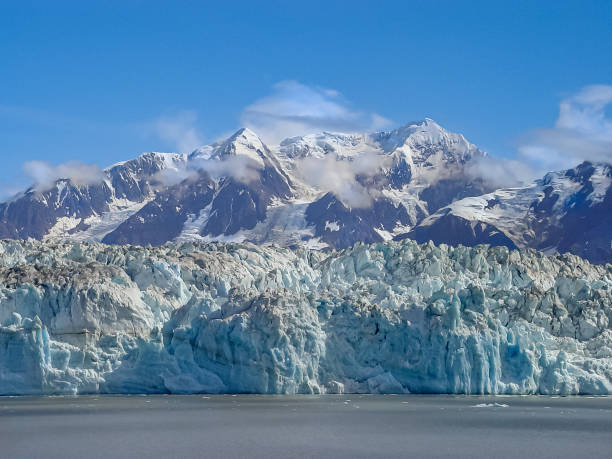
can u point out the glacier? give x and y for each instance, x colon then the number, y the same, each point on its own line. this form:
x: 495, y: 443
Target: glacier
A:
x: 390, y: 317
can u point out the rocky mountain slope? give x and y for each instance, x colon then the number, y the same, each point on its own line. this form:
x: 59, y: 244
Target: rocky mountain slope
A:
x: 68, y: 210
x: 569, y: 211
x: 324, y: 191
x: 390, y: 317
x: 243, y: 190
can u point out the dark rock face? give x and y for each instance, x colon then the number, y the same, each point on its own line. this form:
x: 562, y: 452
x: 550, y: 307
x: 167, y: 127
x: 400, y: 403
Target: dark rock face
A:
x: 242, y: 203
x: 445, y: 191
x: 239, y: 205
x: 454, y: 230
x: 586, y: 227
x: 235, y: 207
x: 400, y: 174
x: 351, y: 227
x: 341, y: 227
x: 34, y: 213
x: 162, y: 219
x: 566, y: 218
x: 133, y: 179
x: 580, y: 225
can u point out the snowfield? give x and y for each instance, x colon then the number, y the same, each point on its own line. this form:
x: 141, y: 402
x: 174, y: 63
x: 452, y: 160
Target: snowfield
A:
x: 392, y: 317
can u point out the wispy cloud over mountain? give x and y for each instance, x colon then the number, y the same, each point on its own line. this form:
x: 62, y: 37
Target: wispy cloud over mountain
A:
x: 295, y: 109
x: 341, y: 177
x: 179, y: 130
x: 583, y: 131
x: 43, y: 174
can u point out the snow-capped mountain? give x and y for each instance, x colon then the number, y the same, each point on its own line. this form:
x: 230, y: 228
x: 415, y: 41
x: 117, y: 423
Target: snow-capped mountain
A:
x: 85, y: 212
x: 326, y: 190
x: 569, y: 211
x: 229, y: 188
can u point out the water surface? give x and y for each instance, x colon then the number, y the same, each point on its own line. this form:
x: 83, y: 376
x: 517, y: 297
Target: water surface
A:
x: 346, y: 426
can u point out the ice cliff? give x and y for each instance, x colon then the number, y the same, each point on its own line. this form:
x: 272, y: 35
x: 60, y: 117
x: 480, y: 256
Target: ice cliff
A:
x: 390, y: 317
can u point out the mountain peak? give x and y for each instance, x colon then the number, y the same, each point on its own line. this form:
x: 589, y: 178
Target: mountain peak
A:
x: 163, y: 159
x: 245, y: 136
x: 426, y: 136
x: 244, y: 142
x: 244, y: 131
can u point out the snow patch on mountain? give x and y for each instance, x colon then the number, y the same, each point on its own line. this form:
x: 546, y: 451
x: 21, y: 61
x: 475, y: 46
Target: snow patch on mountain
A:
x: 541, y: 215
x: 601, y: 181
x: 344, y: 146
x: 95, y: 227
x: 332, y: 226
x: 505, y: 209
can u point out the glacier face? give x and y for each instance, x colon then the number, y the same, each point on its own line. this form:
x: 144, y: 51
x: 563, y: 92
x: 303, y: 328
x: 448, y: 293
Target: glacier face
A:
x: 391, y: 317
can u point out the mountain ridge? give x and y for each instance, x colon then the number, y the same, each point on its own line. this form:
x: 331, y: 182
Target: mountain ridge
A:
x: 325, y: 190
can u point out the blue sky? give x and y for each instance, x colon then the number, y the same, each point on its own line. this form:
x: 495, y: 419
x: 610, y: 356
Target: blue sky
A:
x: 104, y: 81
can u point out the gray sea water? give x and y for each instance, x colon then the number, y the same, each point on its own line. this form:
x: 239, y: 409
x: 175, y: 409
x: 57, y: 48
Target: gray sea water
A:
x: 347, y: 426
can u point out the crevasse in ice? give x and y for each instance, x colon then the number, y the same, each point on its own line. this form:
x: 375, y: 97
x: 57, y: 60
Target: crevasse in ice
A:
x: 393, y: 317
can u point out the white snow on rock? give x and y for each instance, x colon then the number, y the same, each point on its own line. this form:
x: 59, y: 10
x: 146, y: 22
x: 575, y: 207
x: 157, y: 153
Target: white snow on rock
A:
x: 244, y: 143
x: 601, y: 182
x: 332, y: 226
x: 320, y: 145
x: 511, y: 210
x: 392, y: 317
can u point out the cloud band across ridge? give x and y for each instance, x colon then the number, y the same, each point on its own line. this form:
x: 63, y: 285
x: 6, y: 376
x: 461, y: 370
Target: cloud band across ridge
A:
x: 294, y: 109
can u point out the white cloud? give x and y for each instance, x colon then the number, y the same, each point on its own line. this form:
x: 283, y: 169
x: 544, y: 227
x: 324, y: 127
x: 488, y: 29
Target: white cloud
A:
x: 179, y: 130
x: 583, y: 131
x: 240, y: 168
x: 296, y: 109
x: 340, y: 176
x: 501, y: 172
x: 44, y: 175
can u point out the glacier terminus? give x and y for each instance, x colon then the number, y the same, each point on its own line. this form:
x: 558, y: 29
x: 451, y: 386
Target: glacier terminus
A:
x: 389, y: 317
